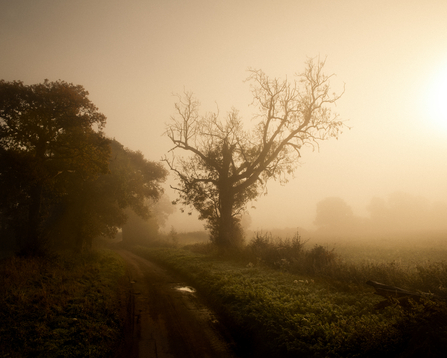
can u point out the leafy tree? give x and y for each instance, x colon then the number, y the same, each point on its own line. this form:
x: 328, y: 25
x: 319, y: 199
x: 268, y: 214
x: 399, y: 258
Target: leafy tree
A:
x: 228, y: 166
x: 335, y: 216
x: 139, y: 231
x: 98, y: 207
x: 48, y: 131
x: 142, y: 230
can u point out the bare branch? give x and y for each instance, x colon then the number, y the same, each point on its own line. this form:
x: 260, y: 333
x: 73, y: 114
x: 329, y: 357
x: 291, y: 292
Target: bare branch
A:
x: 228, y: 167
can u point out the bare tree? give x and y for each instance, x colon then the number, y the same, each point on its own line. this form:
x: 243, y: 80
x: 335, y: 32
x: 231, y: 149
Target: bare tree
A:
x: 227, y: 166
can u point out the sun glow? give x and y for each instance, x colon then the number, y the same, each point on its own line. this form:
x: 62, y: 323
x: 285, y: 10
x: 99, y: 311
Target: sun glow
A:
x: 436, y: 100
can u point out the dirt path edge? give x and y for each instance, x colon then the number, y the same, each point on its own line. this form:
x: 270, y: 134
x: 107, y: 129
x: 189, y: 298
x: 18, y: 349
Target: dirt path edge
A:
x: 162, y: 320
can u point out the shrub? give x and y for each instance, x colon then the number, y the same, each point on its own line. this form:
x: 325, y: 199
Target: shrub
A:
x: 289, y: 254
x: 318, y: 258
x: 276, y: 253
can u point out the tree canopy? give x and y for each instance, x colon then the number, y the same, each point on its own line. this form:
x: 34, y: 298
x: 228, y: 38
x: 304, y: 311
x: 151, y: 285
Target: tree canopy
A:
x: 99, y: 207
x: 47, y: 131
x: 335, y: 216
x: 141, y: 231
x: 61, y: 178
x: 227, y: 166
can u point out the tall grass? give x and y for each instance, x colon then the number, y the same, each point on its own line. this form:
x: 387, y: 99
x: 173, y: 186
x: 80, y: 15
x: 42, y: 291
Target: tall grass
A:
x: 293, y: 256
x: 64, y: 306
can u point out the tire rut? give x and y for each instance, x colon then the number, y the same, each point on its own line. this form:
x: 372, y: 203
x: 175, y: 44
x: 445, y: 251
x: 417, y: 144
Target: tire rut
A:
x: 170, y: 319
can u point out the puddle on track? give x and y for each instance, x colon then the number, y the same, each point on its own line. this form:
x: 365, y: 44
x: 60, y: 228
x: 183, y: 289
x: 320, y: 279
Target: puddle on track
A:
x: 187, y: 289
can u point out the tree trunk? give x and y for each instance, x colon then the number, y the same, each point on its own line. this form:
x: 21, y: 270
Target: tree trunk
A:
x: 228, y: 233
x: 33, y: 243
x: 226, y: 228
x: 79, y: 230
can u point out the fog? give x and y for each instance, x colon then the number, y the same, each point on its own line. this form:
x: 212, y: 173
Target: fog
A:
x: 389, y: 169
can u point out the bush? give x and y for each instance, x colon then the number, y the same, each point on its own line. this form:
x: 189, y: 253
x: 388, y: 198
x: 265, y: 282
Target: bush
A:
x: 289, y: 254
x: 318, y: 258
x: 277, y: 253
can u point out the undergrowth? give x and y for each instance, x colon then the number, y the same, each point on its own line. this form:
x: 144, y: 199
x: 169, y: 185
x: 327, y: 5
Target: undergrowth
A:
x: 278, y: 307
x: 63, y: 306
x: 293, y: 256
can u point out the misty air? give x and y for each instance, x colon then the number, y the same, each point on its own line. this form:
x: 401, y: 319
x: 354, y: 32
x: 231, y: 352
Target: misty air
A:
x: 223, y: 179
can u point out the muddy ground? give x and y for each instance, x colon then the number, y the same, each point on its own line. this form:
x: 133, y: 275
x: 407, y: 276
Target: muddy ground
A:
x: 168, y: 317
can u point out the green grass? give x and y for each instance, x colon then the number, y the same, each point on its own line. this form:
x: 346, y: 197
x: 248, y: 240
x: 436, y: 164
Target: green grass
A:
x: 64, y: 306
x: 275, y: 313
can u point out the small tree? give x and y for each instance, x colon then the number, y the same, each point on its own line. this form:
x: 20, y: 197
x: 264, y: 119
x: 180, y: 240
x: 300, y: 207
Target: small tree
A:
x: 228, y: 166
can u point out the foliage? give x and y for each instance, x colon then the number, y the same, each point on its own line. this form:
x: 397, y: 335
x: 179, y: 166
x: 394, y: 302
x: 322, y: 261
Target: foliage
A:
x: 291, y: 255
x: 139, y: 231
x: 227, y: 167
x: 274, y: 253
x: 93, y: 208
x: 334, y: 216
x: 277, y: 314
x: 424, y: 328
x: 288, y: 254
x: 47, y: 132
x: 67, y: 181
x: 143, y: 231
x: 66, y: 306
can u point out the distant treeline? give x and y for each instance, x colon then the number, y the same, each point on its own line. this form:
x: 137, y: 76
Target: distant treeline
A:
x: 399, y: 212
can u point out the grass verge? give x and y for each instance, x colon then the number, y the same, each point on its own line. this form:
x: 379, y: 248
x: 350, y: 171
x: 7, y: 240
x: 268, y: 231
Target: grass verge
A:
x: 278, y: 314
x: 64, y: 306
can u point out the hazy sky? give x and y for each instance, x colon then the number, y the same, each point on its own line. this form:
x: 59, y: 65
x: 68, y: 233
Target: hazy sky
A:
x: 133, y: 55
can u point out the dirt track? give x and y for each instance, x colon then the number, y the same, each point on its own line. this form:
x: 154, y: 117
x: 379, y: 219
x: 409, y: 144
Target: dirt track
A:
x: 168, y: 319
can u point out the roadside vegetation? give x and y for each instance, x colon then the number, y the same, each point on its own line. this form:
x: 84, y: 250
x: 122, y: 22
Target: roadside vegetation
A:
x: 287, y: 298
x: 64, y: 305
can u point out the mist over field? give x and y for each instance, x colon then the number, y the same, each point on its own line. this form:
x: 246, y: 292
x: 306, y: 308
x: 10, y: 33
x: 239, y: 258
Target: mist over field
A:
x: 387, y: 170
x: 398, y: 213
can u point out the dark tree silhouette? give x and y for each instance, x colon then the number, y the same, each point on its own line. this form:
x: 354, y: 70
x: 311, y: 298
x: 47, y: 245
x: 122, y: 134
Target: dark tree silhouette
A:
x: 227, y: 166
x: 99, y: 207
x: 47, y: 130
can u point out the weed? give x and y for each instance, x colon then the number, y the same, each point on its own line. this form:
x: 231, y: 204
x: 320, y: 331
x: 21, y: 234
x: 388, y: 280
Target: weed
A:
x: 65, y: 306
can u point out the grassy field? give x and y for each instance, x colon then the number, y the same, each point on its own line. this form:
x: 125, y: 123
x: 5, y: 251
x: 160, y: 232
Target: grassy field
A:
x: 407, y: 249
x: 277, y: 307
x: 64, y: 306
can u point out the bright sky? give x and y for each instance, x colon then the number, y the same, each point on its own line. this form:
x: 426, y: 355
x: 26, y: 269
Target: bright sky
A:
x: 132, y: 55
